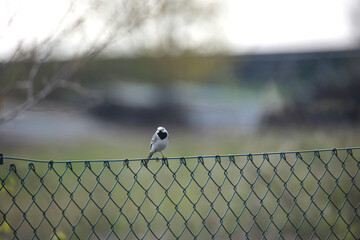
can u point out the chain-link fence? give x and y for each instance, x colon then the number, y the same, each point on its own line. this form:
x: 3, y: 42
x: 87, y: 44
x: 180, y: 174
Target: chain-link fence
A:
x: 289, y: 195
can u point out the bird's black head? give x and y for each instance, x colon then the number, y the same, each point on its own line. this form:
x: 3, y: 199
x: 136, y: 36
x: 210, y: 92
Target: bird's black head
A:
x: 162, y: 133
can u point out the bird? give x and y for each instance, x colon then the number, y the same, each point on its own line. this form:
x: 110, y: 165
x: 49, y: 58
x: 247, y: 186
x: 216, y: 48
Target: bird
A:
x: 158, y: 143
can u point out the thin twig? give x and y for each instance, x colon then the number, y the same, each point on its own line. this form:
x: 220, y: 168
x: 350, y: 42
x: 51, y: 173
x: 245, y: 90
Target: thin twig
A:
x: 64, y: 73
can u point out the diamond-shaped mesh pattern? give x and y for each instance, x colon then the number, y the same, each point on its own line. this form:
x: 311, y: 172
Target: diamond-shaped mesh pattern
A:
x: 292, y: 195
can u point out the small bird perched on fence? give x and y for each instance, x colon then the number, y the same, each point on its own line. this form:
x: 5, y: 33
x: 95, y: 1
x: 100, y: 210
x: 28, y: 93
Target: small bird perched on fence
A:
x: 158, y: 143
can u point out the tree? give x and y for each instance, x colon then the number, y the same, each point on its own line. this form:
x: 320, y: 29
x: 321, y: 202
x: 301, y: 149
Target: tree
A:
x: 84, y: 29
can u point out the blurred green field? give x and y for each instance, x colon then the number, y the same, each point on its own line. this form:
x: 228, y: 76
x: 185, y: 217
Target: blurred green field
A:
x: 119, y: 143
x: 293, y: 196
x: 101, y: 200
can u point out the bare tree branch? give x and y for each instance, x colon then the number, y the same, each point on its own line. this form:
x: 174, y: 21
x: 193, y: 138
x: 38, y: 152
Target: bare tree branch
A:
x: 109, y: 22
x: 30, y: 87
x: 81, y: 90
x: 64, y: 73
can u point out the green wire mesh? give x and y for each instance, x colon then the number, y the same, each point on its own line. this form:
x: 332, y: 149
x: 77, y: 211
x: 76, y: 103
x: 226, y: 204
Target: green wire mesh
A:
x: 291, y: 195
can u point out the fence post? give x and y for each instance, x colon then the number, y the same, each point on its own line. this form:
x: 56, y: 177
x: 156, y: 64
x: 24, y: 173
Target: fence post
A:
x: 1, y: 159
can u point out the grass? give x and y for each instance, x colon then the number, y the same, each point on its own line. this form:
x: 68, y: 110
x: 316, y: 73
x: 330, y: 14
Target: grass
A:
x: 134, y: 143
x: 186, y: 196
x: 262, y: 196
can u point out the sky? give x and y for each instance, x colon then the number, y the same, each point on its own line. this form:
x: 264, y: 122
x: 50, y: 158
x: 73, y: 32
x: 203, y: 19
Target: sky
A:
x: 248, y: 25
x: 283, y: 25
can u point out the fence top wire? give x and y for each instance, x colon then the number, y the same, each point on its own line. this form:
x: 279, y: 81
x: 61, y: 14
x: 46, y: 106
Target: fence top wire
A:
x: 4, y: 157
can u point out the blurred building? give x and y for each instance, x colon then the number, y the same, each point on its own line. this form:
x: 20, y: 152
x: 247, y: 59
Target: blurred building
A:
x: 245, y: 91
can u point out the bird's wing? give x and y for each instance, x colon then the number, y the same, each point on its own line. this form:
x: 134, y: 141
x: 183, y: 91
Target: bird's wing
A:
x: 153, y: 140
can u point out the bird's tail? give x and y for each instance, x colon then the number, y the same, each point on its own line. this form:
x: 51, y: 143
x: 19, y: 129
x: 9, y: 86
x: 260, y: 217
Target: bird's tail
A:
x: 150, y: 155
x: 148, y: 158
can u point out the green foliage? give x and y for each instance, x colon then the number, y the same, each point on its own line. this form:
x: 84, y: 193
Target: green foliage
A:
x: 162, y: 69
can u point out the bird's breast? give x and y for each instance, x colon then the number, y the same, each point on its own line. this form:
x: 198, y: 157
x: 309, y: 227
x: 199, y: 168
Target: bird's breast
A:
x: 161, y: 145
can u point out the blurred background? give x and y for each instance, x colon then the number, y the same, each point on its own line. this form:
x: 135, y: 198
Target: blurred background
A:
x: 93, y: 79
x: 89, y: 79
